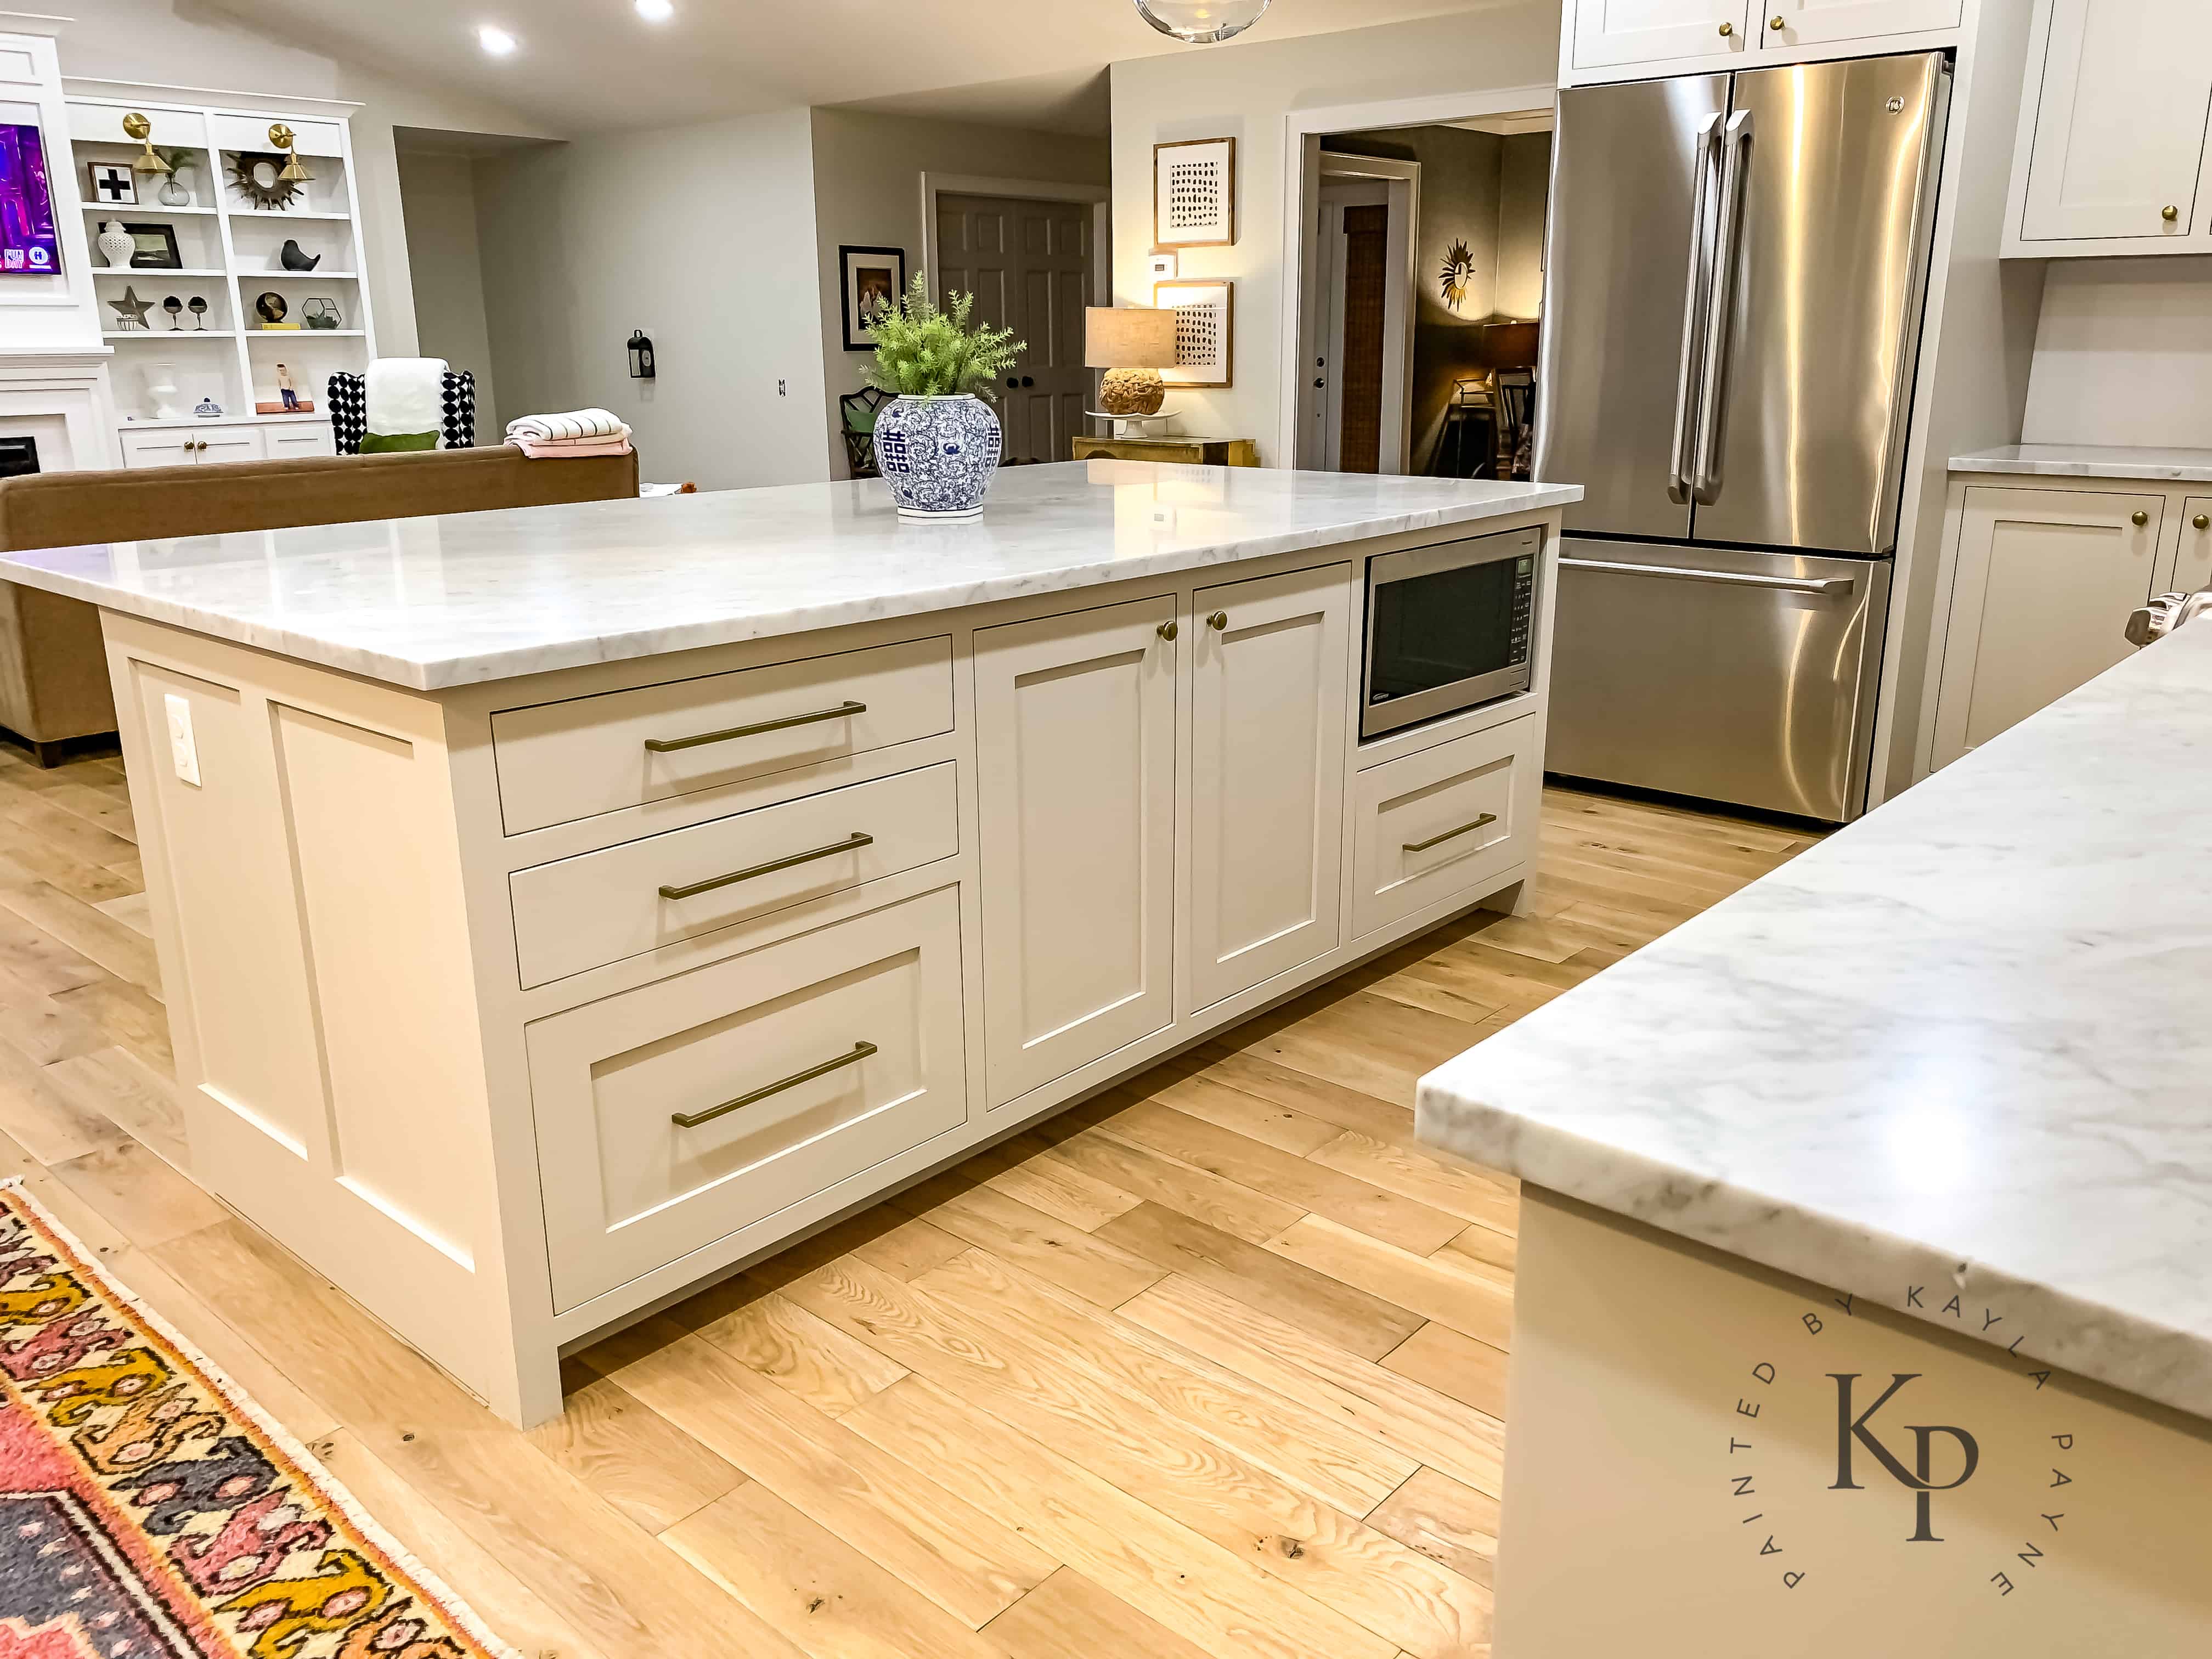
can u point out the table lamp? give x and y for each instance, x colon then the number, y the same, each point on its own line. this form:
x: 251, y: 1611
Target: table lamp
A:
x: 1133, y: 346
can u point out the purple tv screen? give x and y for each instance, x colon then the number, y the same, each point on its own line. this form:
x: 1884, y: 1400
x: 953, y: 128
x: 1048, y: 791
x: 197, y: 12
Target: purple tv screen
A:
x: 28, y: 244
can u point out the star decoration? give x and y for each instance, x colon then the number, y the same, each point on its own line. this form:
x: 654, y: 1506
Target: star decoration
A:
x: 131, y: 310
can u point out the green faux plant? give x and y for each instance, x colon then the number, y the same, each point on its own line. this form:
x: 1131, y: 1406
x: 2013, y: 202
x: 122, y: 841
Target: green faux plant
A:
x: 925, y: 350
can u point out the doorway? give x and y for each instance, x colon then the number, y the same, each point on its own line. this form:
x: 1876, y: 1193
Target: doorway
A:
x: 1032, y: 265
x: 1362, y: 323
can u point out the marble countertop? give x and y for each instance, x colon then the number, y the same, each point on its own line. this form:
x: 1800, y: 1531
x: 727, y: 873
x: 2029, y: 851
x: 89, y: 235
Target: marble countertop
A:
x: 2090, y: 461
x: 1964, y: 1043
x: 436, y: 602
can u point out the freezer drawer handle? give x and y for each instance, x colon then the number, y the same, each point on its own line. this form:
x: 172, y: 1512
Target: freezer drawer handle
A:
x: 1823, y: 585
x: 669, y: 745
x: 693, y: 1120
x: 1482, y: 823
x: 853, y: 844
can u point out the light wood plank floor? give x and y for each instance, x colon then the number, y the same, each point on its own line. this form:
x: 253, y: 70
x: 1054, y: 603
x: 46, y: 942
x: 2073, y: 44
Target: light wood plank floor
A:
x: 1214, y: 1364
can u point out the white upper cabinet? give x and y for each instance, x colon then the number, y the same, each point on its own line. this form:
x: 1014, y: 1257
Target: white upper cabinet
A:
x: 1787, y: 23
x: 2112, y: 157
x: 1268, y: 716
x: 1608, y: 32
x: 1077, y: 717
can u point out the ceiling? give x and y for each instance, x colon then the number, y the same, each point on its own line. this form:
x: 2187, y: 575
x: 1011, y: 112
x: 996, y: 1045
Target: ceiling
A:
x: 594, y: 65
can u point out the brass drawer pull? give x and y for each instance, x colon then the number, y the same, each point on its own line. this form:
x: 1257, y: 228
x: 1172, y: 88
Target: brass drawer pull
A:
x: 693, y: 1120
x: 853, y: 845
x: 1482, y: 823
x: 669, y: 745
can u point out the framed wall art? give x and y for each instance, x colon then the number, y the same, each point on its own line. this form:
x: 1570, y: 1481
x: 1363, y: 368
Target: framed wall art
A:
x: 1195, y: 193
x: 1206, y: 332
x: 871, y: 278
x: 153, y: 247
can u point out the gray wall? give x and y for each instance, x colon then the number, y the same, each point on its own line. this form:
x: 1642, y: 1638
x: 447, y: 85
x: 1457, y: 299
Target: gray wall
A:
x: 437, y: 193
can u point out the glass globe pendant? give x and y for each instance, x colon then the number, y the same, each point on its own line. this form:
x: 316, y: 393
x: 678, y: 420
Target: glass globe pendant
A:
x: 1201, y: 22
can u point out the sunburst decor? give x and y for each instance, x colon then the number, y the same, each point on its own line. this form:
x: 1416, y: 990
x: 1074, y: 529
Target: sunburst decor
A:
x: 149, y: 1509
x: 1458, y: 274
x: 260, y: 178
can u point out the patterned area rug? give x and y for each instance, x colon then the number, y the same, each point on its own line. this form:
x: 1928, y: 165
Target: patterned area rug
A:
x: 149, y: 1510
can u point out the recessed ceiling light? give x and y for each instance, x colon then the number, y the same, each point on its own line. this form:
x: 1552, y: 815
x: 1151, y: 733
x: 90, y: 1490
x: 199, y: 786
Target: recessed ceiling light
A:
x: 656, y: 11
x: 496, y: 41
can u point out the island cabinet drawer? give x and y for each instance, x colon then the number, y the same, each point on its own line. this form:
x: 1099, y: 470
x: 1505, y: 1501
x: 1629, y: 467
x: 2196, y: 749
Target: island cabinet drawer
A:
x: 796, y: 1067
x: 584, y: 912
x: 577, y: 758
x: 1432, y: 825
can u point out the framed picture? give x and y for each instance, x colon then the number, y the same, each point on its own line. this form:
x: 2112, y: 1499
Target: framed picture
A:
x: 154, y: 247
x: 1206, y: 332
x: 1195, y: 193
x: 29, y: 246
x: 873, y: 277
x: 112, y: 185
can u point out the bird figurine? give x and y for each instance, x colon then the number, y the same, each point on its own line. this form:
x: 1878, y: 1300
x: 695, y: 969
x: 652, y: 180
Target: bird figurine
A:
x: 294, y: 259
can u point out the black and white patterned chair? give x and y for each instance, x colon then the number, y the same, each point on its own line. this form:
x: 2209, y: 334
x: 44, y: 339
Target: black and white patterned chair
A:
x: 349, y: 400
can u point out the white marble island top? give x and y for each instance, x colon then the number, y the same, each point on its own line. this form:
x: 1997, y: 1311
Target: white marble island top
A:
x: 1966, y: 1044
x: 2089, y: 461
x: 429, y: 603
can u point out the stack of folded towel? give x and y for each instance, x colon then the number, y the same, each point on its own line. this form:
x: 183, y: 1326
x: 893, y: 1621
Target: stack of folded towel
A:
x: 560, y: 437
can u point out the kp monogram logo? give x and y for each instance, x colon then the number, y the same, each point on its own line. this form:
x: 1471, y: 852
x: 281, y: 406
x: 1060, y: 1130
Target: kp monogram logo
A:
x: 1852, y: 1432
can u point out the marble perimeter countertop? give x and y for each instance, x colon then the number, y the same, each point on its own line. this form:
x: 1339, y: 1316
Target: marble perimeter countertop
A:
x: 436, y: 602
x: 2090, y: 461
x: 1965, y: 1042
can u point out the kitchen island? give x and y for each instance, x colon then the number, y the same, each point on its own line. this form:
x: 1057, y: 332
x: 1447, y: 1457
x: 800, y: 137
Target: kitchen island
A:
x: 1862, y: 1303
x: 558, y: 910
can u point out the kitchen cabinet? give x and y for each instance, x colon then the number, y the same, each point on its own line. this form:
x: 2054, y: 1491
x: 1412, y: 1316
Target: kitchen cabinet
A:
x: 2112, y: 152
x: 1606, y: 32
x: 2192, y: 568
x: 2044, y: 583
x: 186, y: 446
x: 293, y: 442
x: 1078, y: 820
x: 1788, y: 23
x: 1268, y: 719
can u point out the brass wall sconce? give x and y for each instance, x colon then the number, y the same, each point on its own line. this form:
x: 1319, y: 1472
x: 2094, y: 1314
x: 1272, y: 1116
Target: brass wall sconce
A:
x: 147, y: 165
x: 283, y: 138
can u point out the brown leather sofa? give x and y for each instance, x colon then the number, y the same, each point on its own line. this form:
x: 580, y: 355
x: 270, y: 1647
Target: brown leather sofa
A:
x: 53, y: 668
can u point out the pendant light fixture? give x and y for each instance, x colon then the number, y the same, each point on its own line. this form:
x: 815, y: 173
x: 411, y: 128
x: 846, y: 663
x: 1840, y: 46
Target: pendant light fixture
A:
x: 283, y: 137
x: 1201, y: 22
x: 147, y: 165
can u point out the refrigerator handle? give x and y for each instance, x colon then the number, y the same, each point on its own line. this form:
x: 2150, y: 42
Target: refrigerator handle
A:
x: 1735, y: 150
x: 1693, y: 310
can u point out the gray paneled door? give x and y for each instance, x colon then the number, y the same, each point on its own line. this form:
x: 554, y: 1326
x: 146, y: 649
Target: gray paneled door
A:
x: 1028, y: 264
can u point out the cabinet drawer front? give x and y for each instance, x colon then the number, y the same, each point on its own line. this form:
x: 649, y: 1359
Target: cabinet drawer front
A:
x: 563, y: 761
x: 584, y: 912
x: 844, y: 1045
x: 1439, y: 823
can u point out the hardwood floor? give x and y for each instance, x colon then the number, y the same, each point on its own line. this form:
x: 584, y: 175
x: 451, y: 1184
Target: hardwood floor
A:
x: 1213, y: 1365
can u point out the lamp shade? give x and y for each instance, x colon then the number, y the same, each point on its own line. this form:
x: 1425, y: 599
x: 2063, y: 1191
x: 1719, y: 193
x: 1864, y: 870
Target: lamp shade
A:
x: 1127, y: 337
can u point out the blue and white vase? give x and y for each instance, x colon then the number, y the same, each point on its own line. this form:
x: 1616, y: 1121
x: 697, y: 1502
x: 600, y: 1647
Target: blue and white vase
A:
x: 939, y: 455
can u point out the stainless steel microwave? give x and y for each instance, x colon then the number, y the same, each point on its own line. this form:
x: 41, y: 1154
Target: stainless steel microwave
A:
x: 1448, y: 628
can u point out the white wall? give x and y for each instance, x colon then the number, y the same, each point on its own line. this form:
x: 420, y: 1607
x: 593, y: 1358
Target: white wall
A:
x: 446, y: 273
x: 867, y: 193
x: 1244, y: 91
x: 704, y: 237
x: 188, y: 44
x: 2124, y: 354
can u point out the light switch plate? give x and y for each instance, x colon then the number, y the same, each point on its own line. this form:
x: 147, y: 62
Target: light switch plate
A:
x: 184, y: 753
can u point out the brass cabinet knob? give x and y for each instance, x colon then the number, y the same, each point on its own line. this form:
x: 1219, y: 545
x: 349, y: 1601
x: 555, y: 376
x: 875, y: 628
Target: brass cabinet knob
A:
x: 2202, y: 521
x: 1727, y: 29
x: 1169, y: 630
x: 1776, y: 23
x: 2139, y: 517
x: 1219, y: 622
x: 2169, y: 214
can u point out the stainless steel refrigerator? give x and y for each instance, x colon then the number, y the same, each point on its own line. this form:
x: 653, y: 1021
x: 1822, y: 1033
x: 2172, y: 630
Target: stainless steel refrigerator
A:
x: 1736, y: 270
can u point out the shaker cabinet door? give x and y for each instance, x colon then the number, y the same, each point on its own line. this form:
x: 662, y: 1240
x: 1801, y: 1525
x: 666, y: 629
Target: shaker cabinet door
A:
x: 1783, y: 24
x: 1653, y: 31
x: 2120, y: 120
x: 1076, y: 718
x: 2046, y: 581
x: 1270, y: 701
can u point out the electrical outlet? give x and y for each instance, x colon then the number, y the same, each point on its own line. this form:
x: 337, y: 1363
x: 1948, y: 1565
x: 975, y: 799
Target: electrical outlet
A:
x: 184, y: 752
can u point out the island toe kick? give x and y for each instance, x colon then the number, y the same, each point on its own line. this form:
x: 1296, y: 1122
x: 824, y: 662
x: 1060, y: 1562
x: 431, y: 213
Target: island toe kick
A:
x: 516, y: 1008
x: 1707, y: 1458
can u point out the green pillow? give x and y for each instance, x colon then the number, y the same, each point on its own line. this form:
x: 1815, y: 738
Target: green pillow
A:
x: 388, y: 443
x: 859, y: 418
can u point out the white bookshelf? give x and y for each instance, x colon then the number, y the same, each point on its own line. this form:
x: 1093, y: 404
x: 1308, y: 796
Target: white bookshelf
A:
x: 231, y: 251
